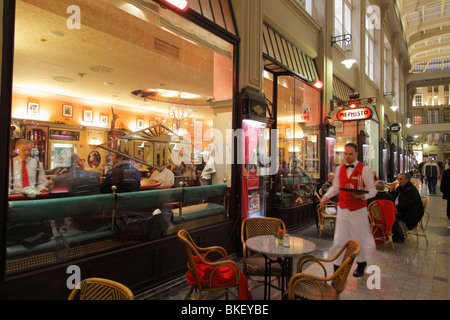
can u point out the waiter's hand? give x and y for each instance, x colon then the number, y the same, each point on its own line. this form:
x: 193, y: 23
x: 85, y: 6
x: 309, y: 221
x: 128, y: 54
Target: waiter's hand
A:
x: 358, y: 195
x: 323, y: 201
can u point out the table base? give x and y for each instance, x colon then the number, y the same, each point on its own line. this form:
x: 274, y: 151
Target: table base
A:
x: 286, y: 271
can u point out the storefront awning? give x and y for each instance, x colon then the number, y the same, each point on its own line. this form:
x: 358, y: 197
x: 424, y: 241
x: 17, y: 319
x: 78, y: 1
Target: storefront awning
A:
x: 341, y: 91
x: 281, y: 55
x: 217, y: 14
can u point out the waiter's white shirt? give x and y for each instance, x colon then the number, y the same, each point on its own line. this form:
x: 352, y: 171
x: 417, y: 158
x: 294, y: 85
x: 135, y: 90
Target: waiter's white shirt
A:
x: 353, y: 225
x: 31, y: 165
x: 367, y: 176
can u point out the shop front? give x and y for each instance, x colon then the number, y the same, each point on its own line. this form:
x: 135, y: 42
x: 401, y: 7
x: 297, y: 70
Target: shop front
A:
x: 356, y: 121
x: 287, y: 135
x: 137, y: 80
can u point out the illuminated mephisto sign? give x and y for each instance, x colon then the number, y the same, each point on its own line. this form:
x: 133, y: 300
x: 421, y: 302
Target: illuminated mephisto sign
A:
x: 354, y: 114
x: 151, y: 147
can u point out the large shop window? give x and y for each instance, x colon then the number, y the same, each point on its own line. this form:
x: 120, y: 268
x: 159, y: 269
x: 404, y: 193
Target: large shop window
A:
x: 298, y: 137
x: 119, y: 111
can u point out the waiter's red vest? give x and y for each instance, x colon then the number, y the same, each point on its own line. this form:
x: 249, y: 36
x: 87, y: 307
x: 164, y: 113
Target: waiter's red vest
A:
x: 346, y: 199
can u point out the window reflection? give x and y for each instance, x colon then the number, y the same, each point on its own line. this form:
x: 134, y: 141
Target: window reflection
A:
x: 82, y: 89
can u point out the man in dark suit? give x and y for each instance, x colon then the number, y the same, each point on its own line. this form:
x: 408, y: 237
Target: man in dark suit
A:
x: 122, y: 175
x: 409, y: 206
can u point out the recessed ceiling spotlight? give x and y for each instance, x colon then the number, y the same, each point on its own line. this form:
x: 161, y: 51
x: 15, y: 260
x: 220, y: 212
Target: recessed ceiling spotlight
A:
x: 108, y: 83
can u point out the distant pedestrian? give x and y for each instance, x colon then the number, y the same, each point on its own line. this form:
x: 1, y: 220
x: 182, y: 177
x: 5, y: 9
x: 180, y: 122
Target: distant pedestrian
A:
x: 431, y: 171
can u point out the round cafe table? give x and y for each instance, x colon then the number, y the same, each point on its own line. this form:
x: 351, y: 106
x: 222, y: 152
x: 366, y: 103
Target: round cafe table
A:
x: 277, y: 253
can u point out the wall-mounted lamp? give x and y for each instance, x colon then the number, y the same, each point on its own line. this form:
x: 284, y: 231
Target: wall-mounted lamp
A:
x: 391, y: 96
x: 318, y: 84
x: 408, y: 123
x: 349, y: 60
x: 345, y: 37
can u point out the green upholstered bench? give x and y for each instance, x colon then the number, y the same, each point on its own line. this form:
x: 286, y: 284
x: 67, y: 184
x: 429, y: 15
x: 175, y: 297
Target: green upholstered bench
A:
x: 204, y: 194
x: 46, y: 210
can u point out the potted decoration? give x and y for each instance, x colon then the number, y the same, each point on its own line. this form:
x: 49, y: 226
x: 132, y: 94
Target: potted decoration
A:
x: 280, y: 236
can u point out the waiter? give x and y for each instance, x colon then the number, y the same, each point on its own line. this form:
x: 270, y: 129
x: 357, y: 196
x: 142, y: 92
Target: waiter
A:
x: 352, y: 222
x: 26, y: 171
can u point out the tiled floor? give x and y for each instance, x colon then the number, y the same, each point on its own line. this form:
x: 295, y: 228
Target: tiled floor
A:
x: 415, y: 270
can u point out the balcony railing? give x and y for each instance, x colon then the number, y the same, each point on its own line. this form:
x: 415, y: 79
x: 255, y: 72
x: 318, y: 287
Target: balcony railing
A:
x: 420, y: 118
x: 431, y: 65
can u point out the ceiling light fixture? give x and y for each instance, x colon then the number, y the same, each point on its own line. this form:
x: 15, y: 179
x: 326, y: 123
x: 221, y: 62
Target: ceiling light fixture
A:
x: 178, y: 4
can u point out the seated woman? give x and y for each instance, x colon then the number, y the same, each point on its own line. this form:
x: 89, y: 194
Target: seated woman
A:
x: 382, y: 193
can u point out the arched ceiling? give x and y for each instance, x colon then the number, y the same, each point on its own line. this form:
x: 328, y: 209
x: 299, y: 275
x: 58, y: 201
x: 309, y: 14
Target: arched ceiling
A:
x: 427, y: 29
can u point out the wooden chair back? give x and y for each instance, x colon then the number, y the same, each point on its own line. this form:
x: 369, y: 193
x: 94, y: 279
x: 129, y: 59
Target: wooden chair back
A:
x: 100, y: 289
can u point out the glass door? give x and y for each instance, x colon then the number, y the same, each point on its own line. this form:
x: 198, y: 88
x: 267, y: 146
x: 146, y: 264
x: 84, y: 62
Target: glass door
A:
x: 296, y: 139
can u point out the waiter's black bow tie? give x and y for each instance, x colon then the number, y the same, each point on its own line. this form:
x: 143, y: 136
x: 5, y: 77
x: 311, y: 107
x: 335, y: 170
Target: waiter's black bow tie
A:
x: 350, y: 166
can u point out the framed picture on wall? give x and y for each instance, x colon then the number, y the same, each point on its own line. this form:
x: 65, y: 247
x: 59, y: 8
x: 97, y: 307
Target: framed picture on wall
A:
x: 67, y: 111
x: 33, y: 109
x: 140, y: 123
x: 288, y: 132
x: 88, y: 116
x: 152, y: 123
x: 103, y: 120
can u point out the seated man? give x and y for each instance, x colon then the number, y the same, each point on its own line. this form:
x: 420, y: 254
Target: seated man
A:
x: 122, y: 175
x: 327, y: 186
x: 166, y: 177
x: 409, y: 206
x: 382, y: 194
x: 77, y: 181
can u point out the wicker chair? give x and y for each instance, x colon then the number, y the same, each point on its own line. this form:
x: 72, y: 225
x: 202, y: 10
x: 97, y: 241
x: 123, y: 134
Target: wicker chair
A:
x: 100, y: 289
x: 197, y: 258
x: 377, y: 224
x: 254, y: 265
x: 421, y: 229
x: 303, y: 286
x: 326, y: 221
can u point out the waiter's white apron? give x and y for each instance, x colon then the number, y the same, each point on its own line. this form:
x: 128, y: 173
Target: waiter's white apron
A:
x: 353, y: 225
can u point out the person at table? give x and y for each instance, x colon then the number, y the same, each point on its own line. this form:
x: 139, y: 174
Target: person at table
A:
x: 122, y: 175
x: 166, y: 177
x: 26, y: 172
x: 409, y: 206
x: 382, y: 193
x: 77, y: 181
x: 351, y: 220
x: 327, y: 186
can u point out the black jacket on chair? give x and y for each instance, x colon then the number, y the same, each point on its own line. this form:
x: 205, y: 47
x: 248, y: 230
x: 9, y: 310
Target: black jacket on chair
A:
x: 409, y: 204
